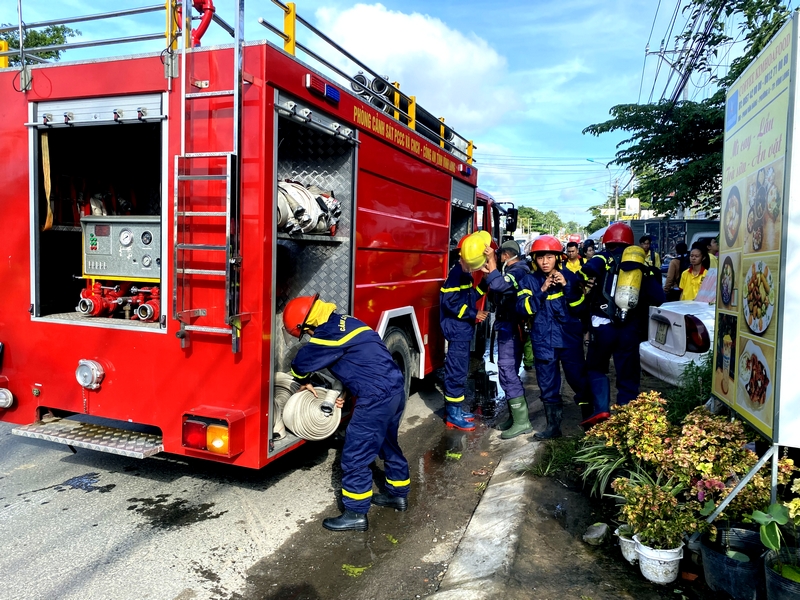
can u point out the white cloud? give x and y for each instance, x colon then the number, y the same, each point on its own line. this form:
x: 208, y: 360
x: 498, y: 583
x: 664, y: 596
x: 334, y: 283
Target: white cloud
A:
x: 452, y: 74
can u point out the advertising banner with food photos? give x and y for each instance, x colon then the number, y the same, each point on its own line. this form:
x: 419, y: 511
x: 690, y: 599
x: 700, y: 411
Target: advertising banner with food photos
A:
x: 751, y: 306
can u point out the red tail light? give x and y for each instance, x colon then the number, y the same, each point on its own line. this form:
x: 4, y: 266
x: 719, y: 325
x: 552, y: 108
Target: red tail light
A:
x: 697, y: 338
x: 194, y: 434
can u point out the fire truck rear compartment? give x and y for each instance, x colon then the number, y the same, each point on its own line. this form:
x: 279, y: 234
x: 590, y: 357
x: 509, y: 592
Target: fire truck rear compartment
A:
x: 308, y: 264
x: 116, y: 168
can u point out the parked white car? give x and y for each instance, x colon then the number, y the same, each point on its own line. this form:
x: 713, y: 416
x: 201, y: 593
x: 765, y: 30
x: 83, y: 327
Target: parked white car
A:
x: 679, y: 333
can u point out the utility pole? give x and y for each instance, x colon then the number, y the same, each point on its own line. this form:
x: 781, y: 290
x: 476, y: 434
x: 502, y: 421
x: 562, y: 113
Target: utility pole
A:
x: 616, y: 199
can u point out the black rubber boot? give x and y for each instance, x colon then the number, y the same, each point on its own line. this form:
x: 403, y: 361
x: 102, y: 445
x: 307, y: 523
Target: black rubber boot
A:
x: 394, y: 502
x: 553, y: 412
x: 586, y: 410
x: 347, y: 521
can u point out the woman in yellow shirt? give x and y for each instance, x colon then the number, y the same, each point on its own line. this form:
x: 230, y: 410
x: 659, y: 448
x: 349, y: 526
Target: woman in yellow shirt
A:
x: 694, y: 275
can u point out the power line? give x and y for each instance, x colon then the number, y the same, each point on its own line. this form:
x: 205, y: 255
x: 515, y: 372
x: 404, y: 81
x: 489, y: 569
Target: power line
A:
x: 646, y: 49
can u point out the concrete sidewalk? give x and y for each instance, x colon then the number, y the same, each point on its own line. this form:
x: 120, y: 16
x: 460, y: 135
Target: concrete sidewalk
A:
x: 482, y: 563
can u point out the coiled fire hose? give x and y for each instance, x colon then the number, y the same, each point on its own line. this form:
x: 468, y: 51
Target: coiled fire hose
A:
x: 285, y: 387
x: 313, y: 418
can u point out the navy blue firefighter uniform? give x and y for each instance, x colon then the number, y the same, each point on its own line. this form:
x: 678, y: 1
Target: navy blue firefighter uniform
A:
x: 357, y: 356
x: 557, y: 339
x: 613, y: 338
x: 503, y: 288
x: 458, y: 310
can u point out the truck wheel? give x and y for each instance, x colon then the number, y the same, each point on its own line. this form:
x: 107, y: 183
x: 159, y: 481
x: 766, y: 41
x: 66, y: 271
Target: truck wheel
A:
x: 398, y: 346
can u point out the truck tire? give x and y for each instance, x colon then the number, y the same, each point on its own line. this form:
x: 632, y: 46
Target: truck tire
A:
x: 397, y: 343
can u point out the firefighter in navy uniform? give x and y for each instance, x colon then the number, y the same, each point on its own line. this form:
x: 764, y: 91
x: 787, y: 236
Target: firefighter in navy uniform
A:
x: 356, y: 356
x: 552, y: 296
x: 615, y: 333
x: 503, y: 288
x: 458, y: 300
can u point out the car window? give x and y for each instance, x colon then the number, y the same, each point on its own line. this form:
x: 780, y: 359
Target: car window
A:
x: 704, y: 234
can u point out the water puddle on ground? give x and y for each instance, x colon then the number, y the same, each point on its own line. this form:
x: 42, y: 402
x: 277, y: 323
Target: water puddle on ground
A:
x: 403, y: 554
x: 163, y: 513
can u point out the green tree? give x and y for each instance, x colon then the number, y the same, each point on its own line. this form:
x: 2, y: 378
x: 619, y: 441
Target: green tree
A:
x: 598, y: 221
x: 37, y: 38
x: 675, y: 148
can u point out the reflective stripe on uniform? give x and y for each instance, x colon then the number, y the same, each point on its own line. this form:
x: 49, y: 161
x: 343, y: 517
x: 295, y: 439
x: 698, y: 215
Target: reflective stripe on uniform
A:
x: 455, y: 289
x: 554, y: 296
x: 298, y: 376
x: 356, y: 496
x: 459, y: 399
x: 480, y: 291
x: 398, y: 483
x: 342, y: 340
x: 512, y: 280
x: 462, y: 311
x: 577, y: 302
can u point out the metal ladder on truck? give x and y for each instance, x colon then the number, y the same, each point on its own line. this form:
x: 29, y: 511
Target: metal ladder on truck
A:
x: 207, y: 200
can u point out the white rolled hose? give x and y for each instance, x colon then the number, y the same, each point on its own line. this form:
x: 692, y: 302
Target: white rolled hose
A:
x: 305, y: 415
x: 285, y: 386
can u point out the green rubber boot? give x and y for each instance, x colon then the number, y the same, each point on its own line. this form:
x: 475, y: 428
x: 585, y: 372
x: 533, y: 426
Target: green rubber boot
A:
x: 519, y: 413
x: 509, y: 421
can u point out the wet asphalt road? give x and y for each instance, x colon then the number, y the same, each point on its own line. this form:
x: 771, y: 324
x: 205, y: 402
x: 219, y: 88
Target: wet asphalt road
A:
x: 99, y: 526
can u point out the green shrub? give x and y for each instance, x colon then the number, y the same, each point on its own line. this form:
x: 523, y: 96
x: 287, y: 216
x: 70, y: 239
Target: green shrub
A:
x: 694, y: 390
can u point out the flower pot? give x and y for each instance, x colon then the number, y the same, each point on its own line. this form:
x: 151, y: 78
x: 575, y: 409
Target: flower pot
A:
x: 659, y: 566
x: 741, y: 580
x: 779, y: 587
x: 628, y: 547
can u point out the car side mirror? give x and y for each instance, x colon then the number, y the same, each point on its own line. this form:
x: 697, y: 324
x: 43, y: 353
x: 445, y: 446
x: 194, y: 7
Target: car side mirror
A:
x: 512, y: 215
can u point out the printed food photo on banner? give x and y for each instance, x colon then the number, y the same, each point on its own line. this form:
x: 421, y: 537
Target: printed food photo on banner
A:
x: 729, y: 283
x: 755, y: 389
x: 725, y: 357
x: 732, y: 217
x: 763, y: 209
x: 759, y: 292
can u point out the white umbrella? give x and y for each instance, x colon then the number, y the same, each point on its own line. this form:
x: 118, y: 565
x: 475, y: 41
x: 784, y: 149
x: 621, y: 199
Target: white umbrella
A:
x: 598, y: 234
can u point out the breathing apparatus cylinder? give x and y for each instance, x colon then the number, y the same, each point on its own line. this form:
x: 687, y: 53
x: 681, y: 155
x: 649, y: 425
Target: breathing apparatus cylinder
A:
x: 629, y: 281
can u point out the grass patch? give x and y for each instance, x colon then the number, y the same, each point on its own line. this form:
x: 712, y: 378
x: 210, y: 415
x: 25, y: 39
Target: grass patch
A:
x: 557, y: 457
x: 694, y: 390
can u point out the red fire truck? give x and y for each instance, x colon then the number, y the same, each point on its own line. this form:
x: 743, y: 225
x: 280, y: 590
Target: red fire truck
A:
x: 160, y: 210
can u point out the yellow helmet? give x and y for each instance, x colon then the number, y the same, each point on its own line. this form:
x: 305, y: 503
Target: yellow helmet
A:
x: 485, y: 236
x: 472, y: 249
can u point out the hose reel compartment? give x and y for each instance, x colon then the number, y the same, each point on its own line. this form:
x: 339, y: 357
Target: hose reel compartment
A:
x: 306, y: 264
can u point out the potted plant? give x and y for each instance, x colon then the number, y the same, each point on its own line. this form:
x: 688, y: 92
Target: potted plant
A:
x: 627, y: 544
x: 653, y: 509
x: 782, y: 563
x: 732, y: 561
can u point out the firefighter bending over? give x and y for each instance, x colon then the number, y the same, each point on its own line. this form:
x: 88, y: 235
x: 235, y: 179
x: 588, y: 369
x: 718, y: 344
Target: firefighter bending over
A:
x: 552, y: 296
x: 458, y: 300
x: 356, y: 356
x: 503, y: 288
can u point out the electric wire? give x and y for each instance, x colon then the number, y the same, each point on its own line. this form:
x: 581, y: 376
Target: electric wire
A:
x: 667, y: 35
x: 647, y: 46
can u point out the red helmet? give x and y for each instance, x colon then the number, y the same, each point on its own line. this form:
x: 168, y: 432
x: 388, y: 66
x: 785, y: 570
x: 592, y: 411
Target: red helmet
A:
x: 547, y: 243
x: 296, y: 314
x: 618, y: 233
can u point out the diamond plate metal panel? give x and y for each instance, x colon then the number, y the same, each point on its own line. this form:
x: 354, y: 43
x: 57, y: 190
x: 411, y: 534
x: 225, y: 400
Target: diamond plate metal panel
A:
x: 132, y: 444
x: 308, y: 266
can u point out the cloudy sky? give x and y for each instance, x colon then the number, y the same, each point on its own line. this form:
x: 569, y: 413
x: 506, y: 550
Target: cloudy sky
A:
x: 521, y: 78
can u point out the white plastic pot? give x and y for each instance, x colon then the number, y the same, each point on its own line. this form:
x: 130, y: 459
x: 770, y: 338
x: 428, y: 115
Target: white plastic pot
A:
x: 658, y: 566
x: 628, y: 547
